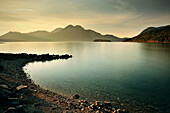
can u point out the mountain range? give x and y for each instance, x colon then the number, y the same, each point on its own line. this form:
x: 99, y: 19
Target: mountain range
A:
x: 69, y: 33
x: 153, y: 34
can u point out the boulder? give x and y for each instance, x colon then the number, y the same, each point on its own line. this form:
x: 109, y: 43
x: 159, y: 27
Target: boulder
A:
x: 76, y: 96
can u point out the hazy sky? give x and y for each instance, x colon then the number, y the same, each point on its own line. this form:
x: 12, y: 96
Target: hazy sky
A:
x: 123, y: 18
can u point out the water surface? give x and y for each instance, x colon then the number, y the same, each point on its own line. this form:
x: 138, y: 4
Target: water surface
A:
x: 102, y: 71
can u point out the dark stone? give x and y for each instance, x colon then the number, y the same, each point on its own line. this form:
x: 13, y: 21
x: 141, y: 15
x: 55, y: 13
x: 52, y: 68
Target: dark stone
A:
x: 37, y: 104
x: 4, y: 92
x: 76, y: 96
x: 98, y: 103
x: 93, y: 106
x: 12, y: 101
x: 107, y: 103
x: 53, y: 108
x: 14, y: 110
x: 20, y: 110
x: 29, y: 108
x: 1, y: 68
x: 32, y: 57
x: 10, y: 110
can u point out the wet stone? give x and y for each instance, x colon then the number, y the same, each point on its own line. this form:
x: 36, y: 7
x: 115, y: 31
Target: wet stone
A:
x: 27, y: 108
x: 4, y: 86
x: 10, y: 110
x: 21, y: 87
x: 98, y: 103
x: 12, y: 101
x: 76, y: 96
x: 107, y: 103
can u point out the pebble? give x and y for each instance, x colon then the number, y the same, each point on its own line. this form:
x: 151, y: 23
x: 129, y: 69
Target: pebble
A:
x: 21, y: 87
x: 98, y: 103
x: 107, y: 103
x: 46, y: 98
x: 4, y: 86
x: 13, y: 101
x: 10, y: 110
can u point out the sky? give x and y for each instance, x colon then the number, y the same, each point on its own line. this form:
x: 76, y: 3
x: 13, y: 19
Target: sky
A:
x: 122, y: 18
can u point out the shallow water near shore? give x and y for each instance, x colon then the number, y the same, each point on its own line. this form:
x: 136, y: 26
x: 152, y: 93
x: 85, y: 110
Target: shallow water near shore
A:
x: 115, y: 71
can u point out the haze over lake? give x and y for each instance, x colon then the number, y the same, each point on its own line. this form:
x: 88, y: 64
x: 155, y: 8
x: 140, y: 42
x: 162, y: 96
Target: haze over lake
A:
x: 102, y: 71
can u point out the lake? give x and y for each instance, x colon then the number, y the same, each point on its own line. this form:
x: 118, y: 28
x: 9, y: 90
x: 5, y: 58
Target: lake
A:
x: 115, y: 71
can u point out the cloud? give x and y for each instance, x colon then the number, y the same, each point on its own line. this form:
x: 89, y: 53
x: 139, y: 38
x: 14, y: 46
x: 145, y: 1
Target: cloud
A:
x: 113, y: 16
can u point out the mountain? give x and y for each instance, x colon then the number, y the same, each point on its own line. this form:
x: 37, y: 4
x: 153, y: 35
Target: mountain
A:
x: 74, y: 33
x: 69, y: 33
x: 153, y: 34
x: 56, y: 30
x: 43, y: 35
x: 16, y: 36
x: 125, y: 38
x: 110, y: 37
x: 78, y: 33
x: 148, y: 29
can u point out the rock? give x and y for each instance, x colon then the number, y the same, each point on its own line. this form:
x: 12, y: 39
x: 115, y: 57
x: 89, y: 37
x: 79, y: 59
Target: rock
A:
x: 76, y: 96
x: 125, y: 111
x: 1, y: 111
x: 98, y: 103
x: 54, y: 108
x: 93, y: 106
x: 85, y: 102
x: 70, y: 104
x: 29, y: 108
x: 4, y: 86
x: 97, y: 111
x: 55, y: 99
x: 21, y: 87
x: 20, y: 110
x: 35, y: 91
x: 37, y: 104
x: 4, y: 92
x: 1, y: 68
x: 82, y: 109
x: 10, y: 110
x: 12, y: 101
x: 107, y: 103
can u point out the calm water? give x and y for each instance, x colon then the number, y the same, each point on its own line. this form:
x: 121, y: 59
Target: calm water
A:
x: 103, y: 71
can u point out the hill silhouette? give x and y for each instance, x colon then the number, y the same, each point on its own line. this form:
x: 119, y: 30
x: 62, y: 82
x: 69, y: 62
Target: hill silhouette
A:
x: 69, y: 33
x: 153, y: 34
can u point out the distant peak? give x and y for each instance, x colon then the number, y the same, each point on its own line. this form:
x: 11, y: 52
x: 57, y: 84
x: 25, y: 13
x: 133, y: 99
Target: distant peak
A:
x: 40, y: 31
x: 76, y: 26
x: 56, y: 30
x: 79, y: 27
x: 69, y: 26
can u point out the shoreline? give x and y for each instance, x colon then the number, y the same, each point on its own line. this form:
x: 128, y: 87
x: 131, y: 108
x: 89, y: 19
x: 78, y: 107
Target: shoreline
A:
x: 20, y: 93
x: 154, y: 42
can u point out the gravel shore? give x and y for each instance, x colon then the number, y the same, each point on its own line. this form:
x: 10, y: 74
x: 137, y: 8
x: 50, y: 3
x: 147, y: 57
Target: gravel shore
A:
x: 19, y: 94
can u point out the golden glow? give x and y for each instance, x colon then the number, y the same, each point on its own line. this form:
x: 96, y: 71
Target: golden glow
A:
x: 115, y: 17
